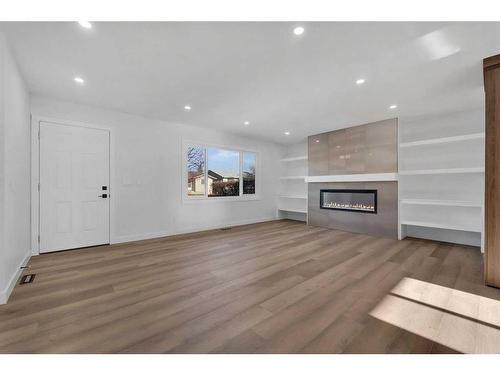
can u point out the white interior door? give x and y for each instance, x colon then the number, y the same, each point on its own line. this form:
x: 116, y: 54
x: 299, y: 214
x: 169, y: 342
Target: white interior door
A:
x: 74, y: 187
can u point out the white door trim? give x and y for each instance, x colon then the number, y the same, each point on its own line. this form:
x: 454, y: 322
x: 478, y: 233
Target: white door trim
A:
x: 35, y: 175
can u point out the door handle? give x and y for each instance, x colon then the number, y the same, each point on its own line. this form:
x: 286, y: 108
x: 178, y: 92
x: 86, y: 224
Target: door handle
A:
x: 103, y: 196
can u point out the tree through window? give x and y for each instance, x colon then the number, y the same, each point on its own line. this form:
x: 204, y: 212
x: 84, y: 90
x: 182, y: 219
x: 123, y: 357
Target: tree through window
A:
x: 196, y: 171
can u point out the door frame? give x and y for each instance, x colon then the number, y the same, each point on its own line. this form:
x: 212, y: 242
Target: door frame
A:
x: 35, y: 174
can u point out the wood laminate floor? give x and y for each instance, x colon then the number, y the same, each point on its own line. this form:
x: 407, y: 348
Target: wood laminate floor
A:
x: 275, y: 287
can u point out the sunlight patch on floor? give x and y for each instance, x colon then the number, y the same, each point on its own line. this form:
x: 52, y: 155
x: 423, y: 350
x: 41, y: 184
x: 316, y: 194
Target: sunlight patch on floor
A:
x: 459, y: 320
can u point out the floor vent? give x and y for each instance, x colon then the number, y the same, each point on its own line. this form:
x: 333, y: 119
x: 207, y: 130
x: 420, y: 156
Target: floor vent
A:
x: 26, y: 279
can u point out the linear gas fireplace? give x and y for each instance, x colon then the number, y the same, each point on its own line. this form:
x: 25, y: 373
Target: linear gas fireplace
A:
x: 349, y: 200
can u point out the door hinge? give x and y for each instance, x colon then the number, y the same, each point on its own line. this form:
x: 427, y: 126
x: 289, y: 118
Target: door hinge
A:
x: 38, y: 238
x: 38, y: 186
x: 38, y: 134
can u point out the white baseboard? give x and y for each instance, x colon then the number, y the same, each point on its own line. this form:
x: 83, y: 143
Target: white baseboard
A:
x: 5, y: 294
x: 149, y: 236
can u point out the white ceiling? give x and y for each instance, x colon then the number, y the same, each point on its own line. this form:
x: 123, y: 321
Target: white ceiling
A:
x: 259, y: 72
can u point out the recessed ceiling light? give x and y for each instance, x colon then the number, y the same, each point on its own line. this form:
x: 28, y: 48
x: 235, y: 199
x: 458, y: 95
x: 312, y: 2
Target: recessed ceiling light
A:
x: 79, y: 80
x: 85, y: 24
x: 360, y: 81
x: 299, y: 30
x: 246, y: 123
x: 317, y: 141
x: 394, y: 106
x: 287, y: 133
x: 187, y: 107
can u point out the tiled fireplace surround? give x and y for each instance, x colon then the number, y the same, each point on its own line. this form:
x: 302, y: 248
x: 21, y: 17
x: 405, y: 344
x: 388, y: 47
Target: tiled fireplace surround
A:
x: 366, y: 149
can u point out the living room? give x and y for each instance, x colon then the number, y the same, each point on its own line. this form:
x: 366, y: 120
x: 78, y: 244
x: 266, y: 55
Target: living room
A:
x: 249, y: 187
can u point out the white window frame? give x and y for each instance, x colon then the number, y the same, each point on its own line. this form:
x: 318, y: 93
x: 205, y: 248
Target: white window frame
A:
x: 242, y: 197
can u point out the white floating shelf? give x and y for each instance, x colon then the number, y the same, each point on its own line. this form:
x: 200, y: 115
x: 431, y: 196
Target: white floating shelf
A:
x: 458, y: 138
x: 465, y: 228
x: 293, y: 178
x: 294, y: 196
x: 365, y: 177
x: 435, y: 202
x: 293, y: 210
x: 443, y: 171
x: 295, y: 158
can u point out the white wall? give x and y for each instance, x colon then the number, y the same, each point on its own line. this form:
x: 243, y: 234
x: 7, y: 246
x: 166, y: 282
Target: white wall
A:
x: 146, y: 189
x: 14, y: 172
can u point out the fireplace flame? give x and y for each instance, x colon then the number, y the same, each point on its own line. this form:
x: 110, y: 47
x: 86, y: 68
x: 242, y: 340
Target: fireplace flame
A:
x: 349, y: 206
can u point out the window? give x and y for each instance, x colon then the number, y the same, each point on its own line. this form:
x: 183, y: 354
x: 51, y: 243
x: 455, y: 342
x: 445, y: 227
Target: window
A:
x: 218, y: 172
x: 249, y: 161
x: 223, y: 172
x: 196, y: 171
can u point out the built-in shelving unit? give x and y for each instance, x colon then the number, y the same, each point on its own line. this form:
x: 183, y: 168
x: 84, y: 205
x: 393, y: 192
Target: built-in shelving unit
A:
x: 295, y: 158
x: 292, y: 200
x: 468, y: 228
x: 458, y: 138
x: 293, y: 196
x: 444, y: 171
x: 441, y: 177
x: 293, y: 177
x: 291, y: 209
x: 434, y: 202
